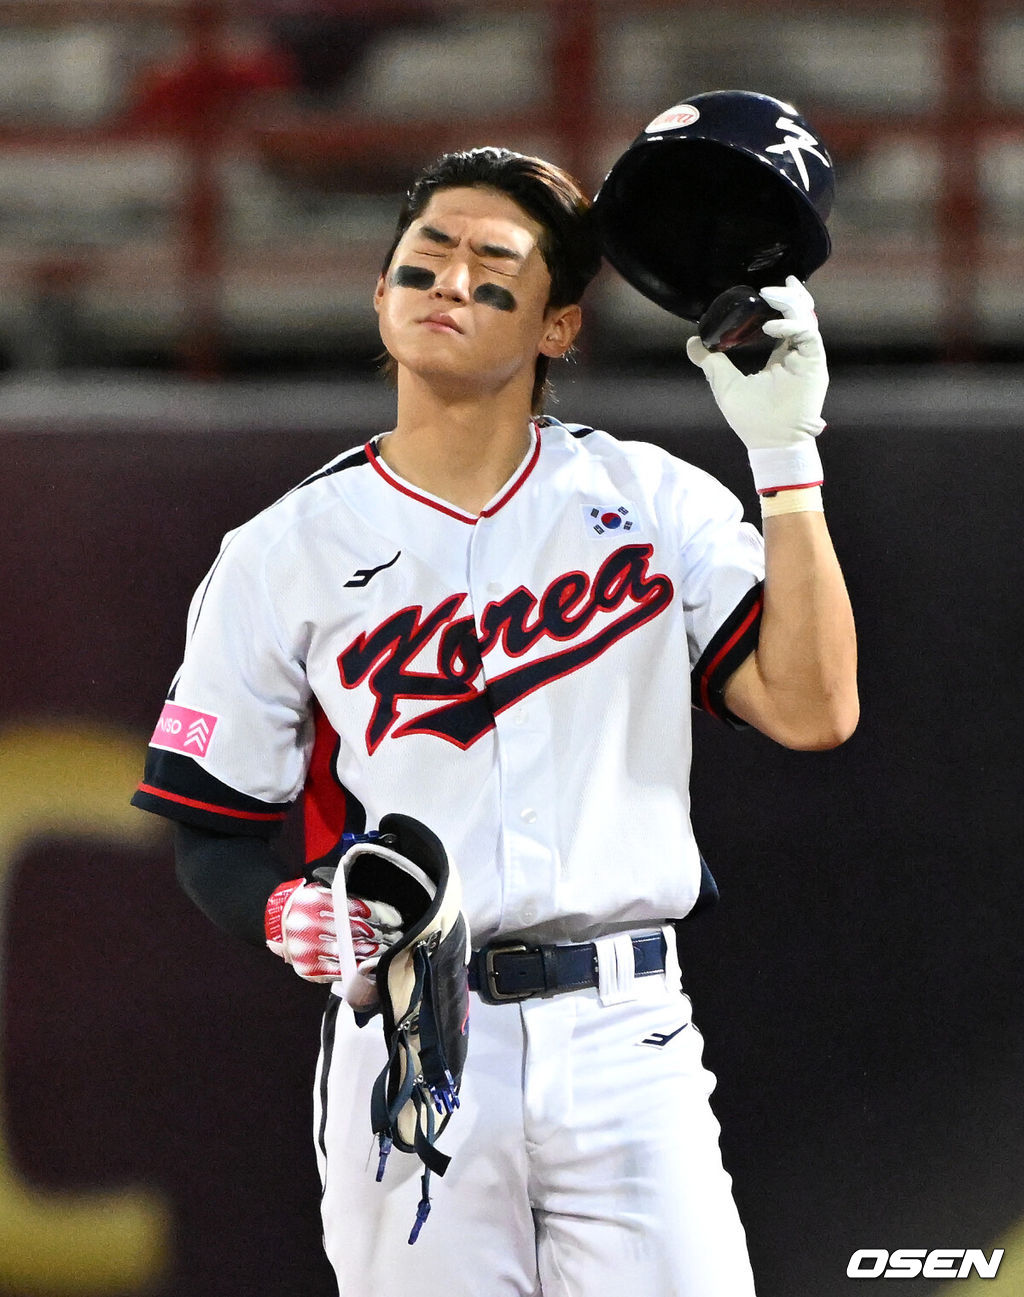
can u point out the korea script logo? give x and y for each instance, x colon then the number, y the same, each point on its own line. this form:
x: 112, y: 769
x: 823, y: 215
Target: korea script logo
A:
x: 383, y: 658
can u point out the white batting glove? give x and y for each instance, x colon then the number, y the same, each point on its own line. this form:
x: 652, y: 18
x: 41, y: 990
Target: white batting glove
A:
x: 300, y: 928
x: 776, y: 413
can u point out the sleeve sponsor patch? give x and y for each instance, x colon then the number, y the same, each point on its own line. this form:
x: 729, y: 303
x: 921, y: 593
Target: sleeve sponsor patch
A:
x: 181, y: 729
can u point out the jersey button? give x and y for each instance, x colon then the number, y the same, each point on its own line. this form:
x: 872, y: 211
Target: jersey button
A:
x: 529, y: 815
x: 494, y: 587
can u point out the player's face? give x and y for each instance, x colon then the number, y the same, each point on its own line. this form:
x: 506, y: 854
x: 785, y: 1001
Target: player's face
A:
x: 464, y: 301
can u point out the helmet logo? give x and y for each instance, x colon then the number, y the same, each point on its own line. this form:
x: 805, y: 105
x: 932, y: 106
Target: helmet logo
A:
x: 674, y: 119
x: 795, y: 144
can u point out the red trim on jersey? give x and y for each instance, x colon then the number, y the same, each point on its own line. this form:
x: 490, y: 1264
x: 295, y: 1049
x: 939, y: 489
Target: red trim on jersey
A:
x: 324, y: 803
x: 727, y: 647
x: 527, y: 470
x: 209, y: 806
x: 376, y: 462
x: 452, y: 511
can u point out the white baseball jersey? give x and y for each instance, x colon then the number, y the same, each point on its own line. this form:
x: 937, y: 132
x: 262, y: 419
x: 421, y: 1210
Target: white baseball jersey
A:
x: 520, y: 681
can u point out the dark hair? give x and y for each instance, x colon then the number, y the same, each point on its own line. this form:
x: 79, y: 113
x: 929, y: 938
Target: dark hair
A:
x: 556, y: 201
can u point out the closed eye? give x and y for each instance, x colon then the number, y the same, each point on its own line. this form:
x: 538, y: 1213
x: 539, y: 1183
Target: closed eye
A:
x: 498, y: 258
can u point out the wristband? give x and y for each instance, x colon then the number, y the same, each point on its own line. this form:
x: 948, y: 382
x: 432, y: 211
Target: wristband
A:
x: 273, y: 915
x: 777, y: 467
x: 801, y: 499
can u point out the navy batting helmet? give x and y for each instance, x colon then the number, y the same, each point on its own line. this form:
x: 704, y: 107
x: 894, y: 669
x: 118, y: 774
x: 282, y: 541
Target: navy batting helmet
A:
x: 727, y: 187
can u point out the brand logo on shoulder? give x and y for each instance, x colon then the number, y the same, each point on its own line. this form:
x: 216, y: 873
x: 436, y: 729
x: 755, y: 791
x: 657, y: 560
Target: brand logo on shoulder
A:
x: 365, y: 575
x: 180, y: 729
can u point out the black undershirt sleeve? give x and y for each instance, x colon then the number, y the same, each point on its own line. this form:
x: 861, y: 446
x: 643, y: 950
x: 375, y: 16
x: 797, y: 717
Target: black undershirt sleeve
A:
x: 229, y: 877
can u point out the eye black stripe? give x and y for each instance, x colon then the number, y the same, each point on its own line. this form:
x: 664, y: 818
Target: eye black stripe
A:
x: 412, y: 277
x: 494, y: 295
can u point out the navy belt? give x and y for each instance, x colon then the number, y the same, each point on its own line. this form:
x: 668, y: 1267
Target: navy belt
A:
x: 508, y: 971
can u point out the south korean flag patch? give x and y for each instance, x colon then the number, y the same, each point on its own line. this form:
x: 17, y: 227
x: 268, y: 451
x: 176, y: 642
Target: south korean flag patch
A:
x: 607, y: 521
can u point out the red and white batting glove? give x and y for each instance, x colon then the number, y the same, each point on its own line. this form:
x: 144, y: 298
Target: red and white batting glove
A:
x: 300, y: 927
x: 776, y: 413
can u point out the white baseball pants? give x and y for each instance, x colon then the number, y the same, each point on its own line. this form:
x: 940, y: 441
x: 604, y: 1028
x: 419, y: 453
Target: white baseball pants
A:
x: 585, y: 1158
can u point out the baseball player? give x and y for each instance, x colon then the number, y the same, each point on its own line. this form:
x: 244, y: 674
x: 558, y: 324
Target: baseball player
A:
x: 496, y: 623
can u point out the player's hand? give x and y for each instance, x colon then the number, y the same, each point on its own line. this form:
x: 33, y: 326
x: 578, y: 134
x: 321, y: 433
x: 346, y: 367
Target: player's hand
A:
x: 300, y: 928
x: 375, y: 927
x: 776, y: 413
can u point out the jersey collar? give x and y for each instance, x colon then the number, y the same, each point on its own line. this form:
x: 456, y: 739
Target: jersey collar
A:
x: 498, y: 502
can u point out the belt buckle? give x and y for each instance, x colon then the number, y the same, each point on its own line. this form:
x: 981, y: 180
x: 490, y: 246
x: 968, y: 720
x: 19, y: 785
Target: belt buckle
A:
x: 490, y: 981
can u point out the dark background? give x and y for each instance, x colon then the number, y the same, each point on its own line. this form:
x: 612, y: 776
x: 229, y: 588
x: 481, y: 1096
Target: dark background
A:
x: 858, y: 986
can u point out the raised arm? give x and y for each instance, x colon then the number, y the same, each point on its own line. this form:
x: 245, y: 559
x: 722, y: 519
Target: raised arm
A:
x: 799, y: 686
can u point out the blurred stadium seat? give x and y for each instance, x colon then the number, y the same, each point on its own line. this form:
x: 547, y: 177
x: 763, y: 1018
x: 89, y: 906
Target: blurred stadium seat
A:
x: 183, y: 185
